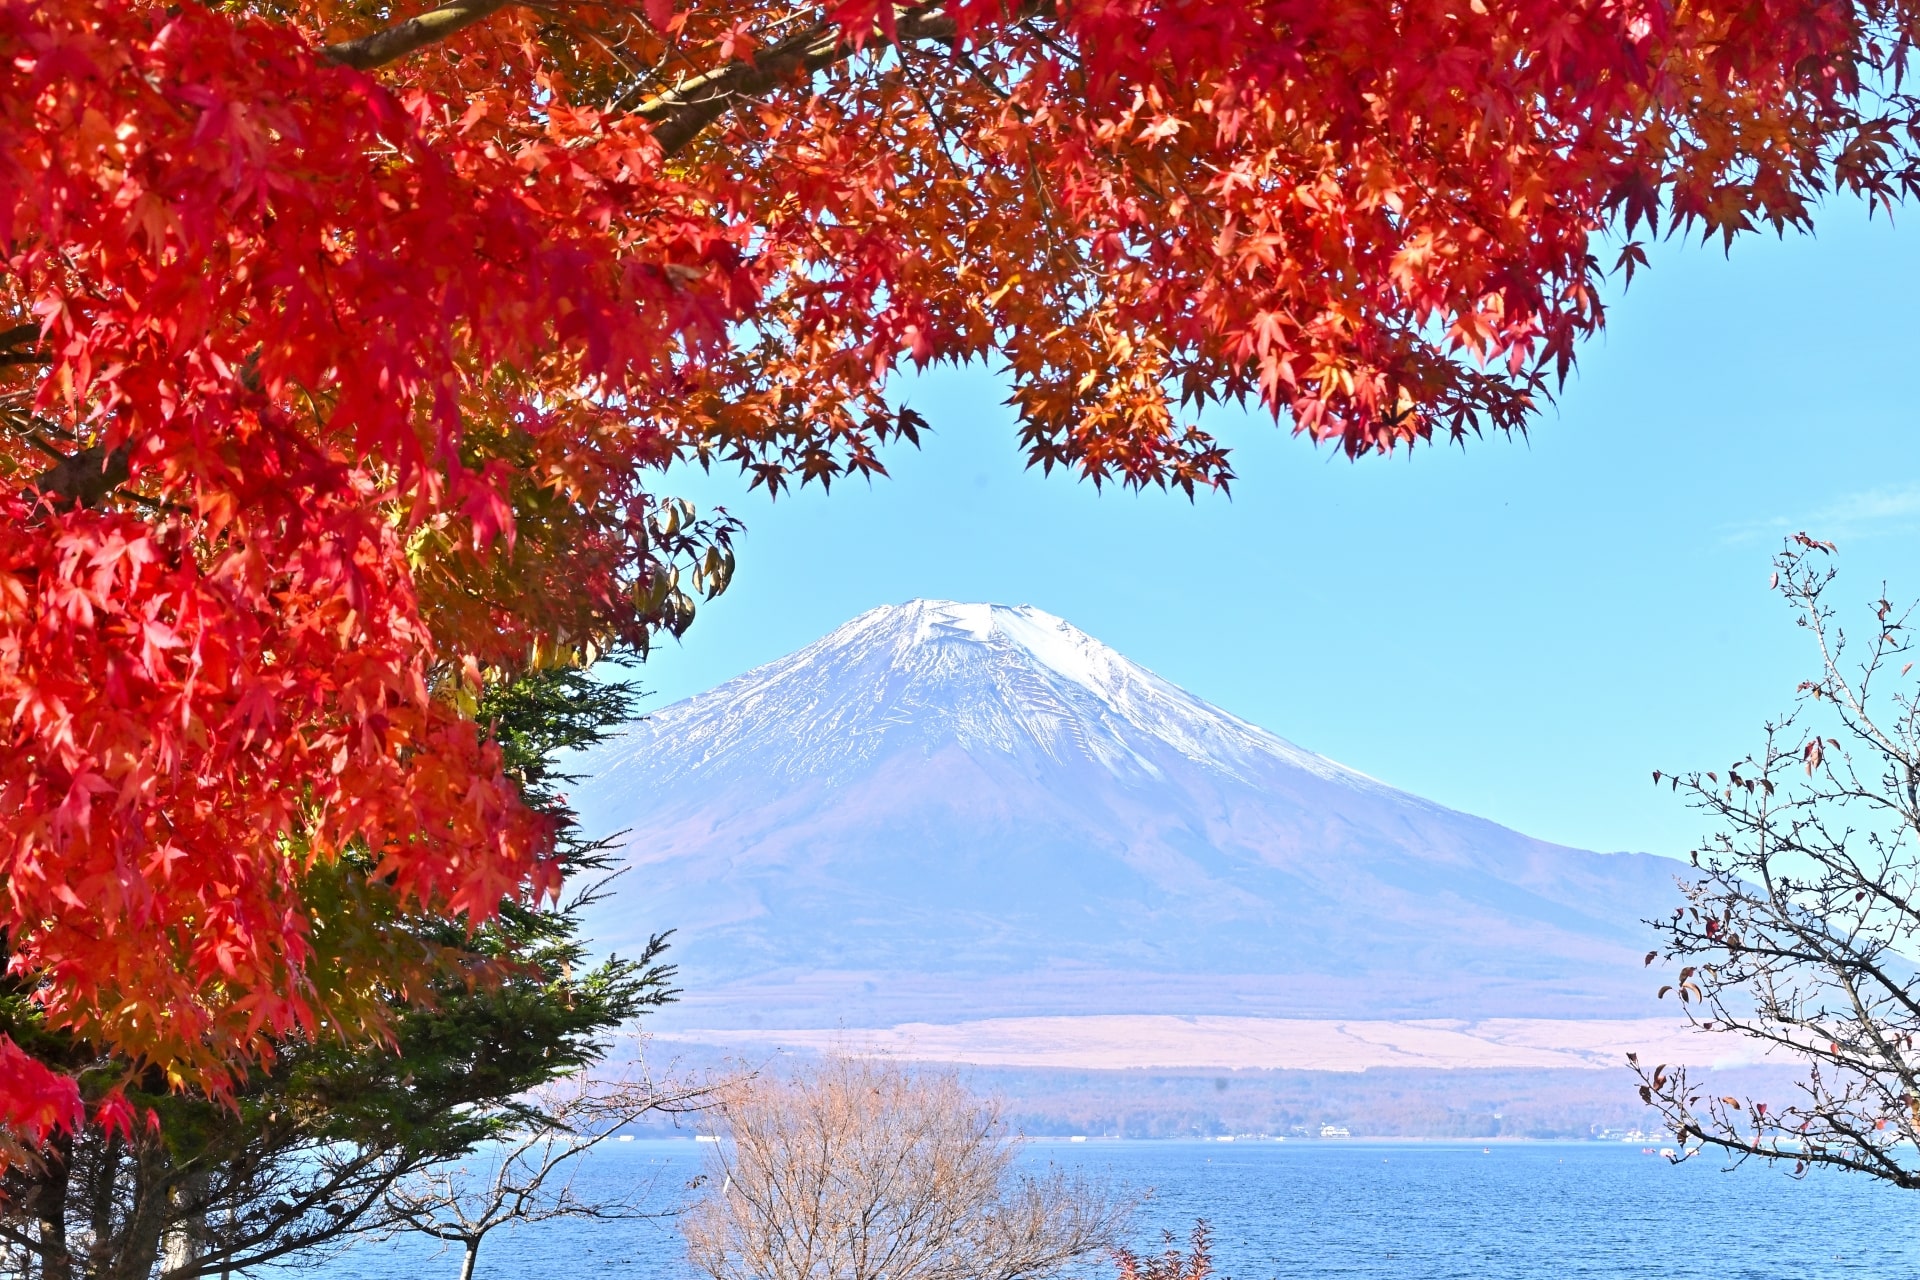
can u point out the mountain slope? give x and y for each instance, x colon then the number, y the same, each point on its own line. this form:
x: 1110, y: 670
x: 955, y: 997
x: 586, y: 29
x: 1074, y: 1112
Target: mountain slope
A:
x: 945, y: 811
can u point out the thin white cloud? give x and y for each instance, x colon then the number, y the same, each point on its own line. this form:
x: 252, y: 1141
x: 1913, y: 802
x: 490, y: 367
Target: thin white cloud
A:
x: 1868, y: 513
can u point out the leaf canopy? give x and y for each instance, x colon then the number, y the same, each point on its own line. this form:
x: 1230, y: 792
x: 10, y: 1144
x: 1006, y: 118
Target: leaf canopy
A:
x: 342, y: 344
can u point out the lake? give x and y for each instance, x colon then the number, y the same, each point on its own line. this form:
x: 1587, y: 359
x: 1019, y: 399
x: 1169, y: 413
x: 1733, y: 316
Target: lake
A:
x: 1301, y: 1210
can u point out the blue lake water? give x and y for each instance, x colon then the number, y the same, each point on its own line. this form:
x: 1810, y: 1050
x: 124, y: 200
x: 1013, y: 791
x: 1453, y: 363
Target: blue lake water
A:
x: 1302, y: 1210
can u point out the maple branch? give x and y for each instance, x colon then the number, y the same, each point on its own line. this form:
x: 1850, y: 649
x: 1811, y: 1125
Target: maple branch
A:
x: 378, y: 48
x: 86, y: 478
x: 13, y: 350
x: 680, y: 114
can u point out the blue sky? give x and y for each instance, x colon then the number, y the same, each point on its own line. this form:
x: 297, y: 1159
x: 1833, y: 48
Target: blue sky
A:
x: 1523, y: 630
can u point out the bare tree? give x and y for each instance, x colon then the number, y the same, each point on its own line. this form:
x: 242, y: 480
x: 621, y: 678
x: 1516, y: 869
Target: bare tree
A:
x: 858, y: 1169
x: 1800, y: 930
x: 529, y: 1175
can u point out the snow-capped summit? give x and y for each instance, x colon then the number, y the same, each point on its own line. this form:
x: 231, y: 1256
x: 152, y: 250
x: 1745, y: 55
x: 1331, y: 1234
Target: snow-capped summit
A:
x: 943, y: 811
x: 991, y: 678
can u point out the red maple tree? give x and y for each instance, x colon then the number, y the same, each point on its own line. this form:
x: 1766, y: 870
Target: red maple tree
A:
x: 342, y: 338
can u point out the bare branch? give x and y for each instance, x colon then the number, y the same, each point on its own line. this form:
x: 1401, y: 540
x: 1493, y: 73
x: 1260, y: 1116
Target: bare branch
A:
x: 1803, y: 929
x: 526, y: 1178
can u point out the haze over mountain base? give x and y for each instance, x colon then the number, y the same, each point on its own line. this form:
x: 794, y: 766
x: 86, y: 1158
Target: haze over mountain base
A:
x: 1593, y: 1100
x: 1131, y: 1042
x: 1384, y: 1102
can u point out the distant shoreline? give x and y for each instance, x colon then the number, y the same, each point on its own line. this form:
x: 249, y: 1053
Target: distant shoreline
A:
x: 1358, y: 1140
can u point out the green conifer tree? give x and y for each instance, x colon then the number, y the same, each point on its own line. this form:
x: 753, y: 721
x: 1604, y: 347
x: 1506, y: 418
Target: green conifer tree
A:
x: 298, y: 1160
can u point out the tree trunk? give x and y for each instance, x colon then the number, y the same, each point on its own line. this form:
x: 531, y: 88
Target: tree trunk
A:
x: 139, y: 1242
x: 50, y: 1206
x: 466, y: 1262
x: 101, y: 1187
x: 184, y: 1245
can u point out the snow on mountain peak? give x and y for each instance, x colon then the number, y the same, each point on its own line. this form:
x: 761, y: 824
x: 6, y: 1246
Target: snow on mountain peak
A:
x: 1056, y: 643
x: 1003, y: 680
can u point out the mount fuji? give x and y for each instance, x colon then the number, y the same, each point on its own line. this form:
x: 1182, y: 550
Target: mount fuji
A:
x: 947, y: 812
